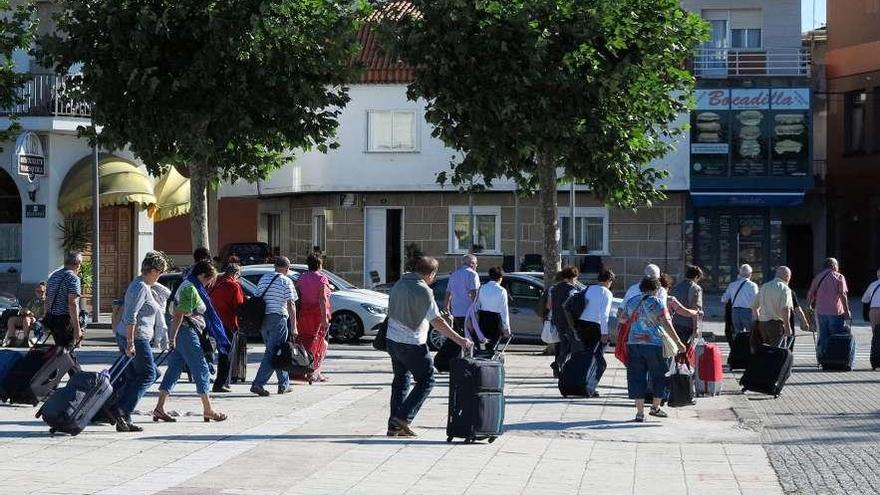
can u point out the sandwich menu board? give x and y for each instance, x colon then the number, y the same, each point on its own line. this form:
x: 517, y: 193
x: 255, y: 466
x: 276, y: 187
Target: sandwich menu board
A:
x: 710, y: 133
x: 750, y: 132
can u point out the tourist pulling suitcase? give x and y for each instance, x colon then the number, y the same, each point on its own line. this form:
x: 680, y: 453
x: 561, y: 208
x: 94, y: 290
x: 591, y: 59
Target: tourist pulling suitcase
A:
x: 36, y: 375
x: 581, y: 373
x: 769, y: 370
x: 740, y: 351
x: 71, y: 408
x: 108, y: 412
x: 840, y: 352
x: 476, y: 397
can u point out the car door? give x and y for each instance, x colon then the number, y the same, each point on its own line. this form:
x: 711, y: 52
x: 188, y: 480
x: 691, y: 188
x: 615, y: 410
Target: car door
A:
x: 524, y: 295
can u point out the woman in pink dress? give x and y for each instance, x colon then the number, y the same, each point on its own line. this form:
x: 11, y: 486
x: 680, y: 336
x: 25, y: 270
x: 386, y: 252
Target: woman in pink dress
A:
x: 313, y: 315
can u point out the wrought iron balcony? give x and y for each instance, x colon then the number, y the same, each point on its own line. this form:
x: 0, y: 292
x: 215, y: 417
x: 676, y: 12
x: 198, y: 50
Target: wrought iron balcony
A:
x: 44, y: 96
x: 762, y: 62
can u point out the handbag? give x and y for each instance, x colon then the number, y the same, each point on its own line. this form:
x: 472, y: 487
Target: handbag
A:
x: 380, y: 342
x: 670, y: 348
x: 549, y: 333
x: 621, y: 351
x: 681, y: 386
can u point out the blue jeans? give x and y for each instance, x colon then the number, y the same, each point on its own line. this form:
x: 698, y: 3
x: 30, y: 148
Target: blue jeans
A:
x: 742, y: 320
x: 139, y: 375
x: 645, y: 360
x: 407, y: 361
x: 274, y: 331
x: 828, y: 326
x: 188, y: 350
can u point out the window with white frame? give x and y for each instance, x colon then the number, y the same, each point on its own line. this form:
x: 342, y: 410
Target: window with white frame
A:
x: 319, y: 230
x: 590, y: 230
x: 737, y: 28
x: 391, y: 131
x: 486, y: 234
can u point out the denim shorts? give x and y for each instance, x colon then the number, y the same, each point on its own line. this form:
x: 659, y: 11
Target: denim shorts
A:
x: 646, y: 360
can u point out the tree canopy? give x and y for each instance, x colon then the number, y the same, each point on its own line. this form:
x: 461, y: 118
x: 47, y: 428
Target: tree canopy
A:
x: 225, y: 88
x: 595, y: 84
x: 17, y: 28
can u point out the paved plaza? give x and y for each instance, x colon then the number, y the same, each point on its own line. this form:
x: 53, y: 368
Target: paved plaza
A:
x: 819, y: 437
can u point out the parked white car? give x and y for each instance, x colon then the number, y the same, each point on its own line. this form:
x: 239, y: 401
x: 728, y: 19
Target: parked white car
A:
x: 354, y: 312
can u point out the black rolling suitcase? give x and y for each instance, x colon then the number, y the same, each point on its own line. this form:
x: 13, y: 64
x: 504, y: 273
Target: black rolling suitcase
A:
x: 581, y: 373
x: 840, y: 353
x: 37, y: 374
x: 238, y: 358
x: 476, y: 398
x: 768, y: 370
x: 71, y: 408
x: 740, y: 351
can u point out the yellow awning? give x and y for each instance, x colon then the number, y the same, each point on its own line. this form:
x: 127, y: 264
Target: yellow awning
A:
x: 121, y: 183
x: 172, y: 196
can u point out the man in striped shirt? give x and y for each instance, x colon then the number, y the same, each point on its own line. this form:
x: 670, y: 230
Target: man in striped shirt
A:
x: 62, y: 302
x: 280, y: 297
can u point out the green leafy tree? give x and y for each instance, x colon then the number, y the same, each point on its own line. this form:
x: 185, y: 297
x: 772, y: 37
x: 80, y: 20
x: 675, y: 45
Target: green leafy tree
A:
x: 17, y: 28
x: 540, y: 91
x: 221, y: 88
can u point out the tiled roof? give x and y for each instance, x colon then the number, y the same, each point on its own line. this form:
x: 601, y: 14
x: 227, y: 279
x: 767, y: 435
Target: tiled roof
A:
x: 379, y: 68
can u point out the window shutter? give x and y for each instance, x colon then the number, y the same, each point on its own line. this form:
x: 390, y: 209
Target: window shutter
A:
x: 746, y: 19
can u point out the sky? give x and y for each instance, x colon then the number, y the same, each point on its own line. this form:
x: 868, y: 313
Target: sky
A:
x: 807, y: 20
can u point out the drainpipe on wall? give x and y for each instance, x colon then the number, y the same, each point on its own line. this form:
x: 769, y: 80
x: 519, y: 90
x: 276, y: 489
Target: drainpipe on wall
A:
x: 472, y: 237
x: 571, y: 228
x: 516, y: 235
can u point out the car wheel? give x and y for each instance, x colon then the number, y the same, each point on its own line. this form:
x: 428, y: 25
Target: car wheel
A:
x: 435, y: 339
x: 345, y: 327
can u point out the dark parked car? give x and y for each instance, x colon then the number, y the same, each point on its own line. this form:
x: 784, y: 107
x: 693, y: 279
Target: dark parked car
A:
x: 248, y: 253
x: 172, y: 280
x: 524, y: 290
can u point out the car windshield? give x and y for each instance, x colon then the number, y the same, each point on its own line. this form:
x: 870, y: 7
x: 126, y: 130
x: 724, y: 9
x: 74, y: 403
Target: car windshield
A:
x: 249, y: 251
x: 8, y: 301
x: 336, y: 282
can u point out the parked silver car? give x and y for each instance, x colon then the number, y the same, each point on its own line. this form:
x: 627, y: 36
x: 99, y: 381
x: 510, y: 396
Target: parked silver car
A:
x: 525, y: 289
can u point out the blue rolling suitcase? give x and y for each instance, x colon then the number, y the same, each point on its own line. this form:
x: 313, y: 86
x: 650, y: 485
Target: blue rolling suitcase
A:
x: 476, y: 398
x: 840, y: 353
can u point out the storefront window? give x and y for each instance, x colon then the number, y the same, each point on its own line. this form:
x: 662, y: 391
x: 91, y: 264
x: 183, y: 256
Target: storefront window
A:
x: 727, y: 239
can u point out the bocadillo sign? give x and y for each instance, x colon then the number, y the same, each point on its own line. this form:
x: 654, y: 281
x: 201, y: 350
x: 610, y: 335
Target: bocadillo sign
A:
x: 751, y: 132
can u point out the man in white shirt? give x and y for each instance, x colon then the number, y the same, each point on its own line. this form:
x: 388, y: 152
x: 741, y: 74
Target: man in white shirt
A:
x: 741, y: 294
x: 651, y: 271
x: 592, y: 325
x: 871, y: 297
x: 493, y: 314
x: 280, y: 297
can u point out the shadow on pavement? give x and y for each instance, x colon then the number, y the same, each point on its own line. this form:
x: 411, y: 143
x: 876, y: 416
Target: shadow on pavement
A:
x: 595, y: 424
x: 352, y: 439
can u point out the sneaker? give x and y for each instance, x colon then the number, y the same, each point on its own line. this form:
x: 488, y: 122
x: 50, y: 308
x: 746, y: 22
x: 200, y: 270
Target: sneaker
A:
x: 393, y: 432
x: 660, y: 413
x: 134, y: 428
x: 262, y: 392
x: 221, y: 390
x: 285, y: 390
x: 403, y: 428
x: 122, y: 426
x: 640, y: 418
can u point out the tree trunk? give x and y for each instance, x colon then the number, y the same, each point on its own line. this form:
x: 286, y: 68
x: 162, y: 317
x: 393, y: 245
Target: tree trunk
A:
x: 198, y: 215
x: 549, y: 216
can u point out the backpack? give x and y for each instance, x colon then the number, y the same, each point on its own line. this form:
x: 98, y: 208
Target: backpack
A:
x: 574, y: 306
x: 251, y: 312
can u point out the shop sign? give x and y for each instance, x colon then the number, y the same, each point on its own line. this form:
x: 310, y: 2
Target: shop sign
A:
x: 35, y: 211
x: 790, y: 99
x: 29, y: 158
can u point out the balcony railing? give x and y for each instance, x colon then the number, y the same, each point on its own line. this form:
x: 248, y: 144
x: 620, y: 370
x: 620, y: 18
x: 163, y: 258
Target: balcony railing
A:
x: 44, y: 96
x: 736, y: 62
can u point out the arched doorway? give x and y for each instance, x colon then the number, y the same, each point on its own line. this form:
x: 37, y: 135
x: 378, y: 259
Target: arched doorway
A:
x: 10, y: 220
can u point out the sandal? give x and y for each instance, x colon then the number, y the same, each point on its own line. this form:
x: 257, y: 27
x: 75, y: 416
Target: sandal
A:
x: 214, y: 416
x: 660, y: 413
x: 161, y: 415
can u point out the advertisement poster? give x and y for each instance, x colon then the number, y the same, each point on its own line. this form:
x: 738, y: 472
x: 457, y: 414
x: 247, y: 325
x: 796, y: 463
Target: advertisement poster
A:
x: 710, y: 133
x: 790, y: 132
x: 750, y: 109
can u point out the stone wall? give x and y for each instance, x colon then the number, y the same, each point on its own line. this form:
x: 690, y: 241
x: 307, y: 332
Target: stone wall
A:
x: 650, y: 235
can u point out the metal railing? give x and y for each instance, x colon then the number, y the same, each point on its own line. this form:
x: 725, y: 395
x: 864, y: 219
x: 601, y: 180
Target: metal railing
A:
x: 737, y: 62
x: 44, y: 95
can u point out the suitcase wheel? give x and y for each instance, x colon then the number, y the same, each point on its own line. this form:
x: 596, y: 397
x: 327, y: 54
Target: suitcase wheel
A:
x: 448, y: 439
x: 51, y: 431
x: 469, y: 440
x: 492, y: 439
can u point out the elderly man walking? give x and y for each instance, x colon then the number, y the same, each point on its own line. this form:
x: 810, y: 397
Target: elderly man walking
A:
x: 62, y: 302
x: 772, y: 309
x: 411, y: 311
x: 828, y: 296
x: 461, y: 291
x: 741, y: 294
